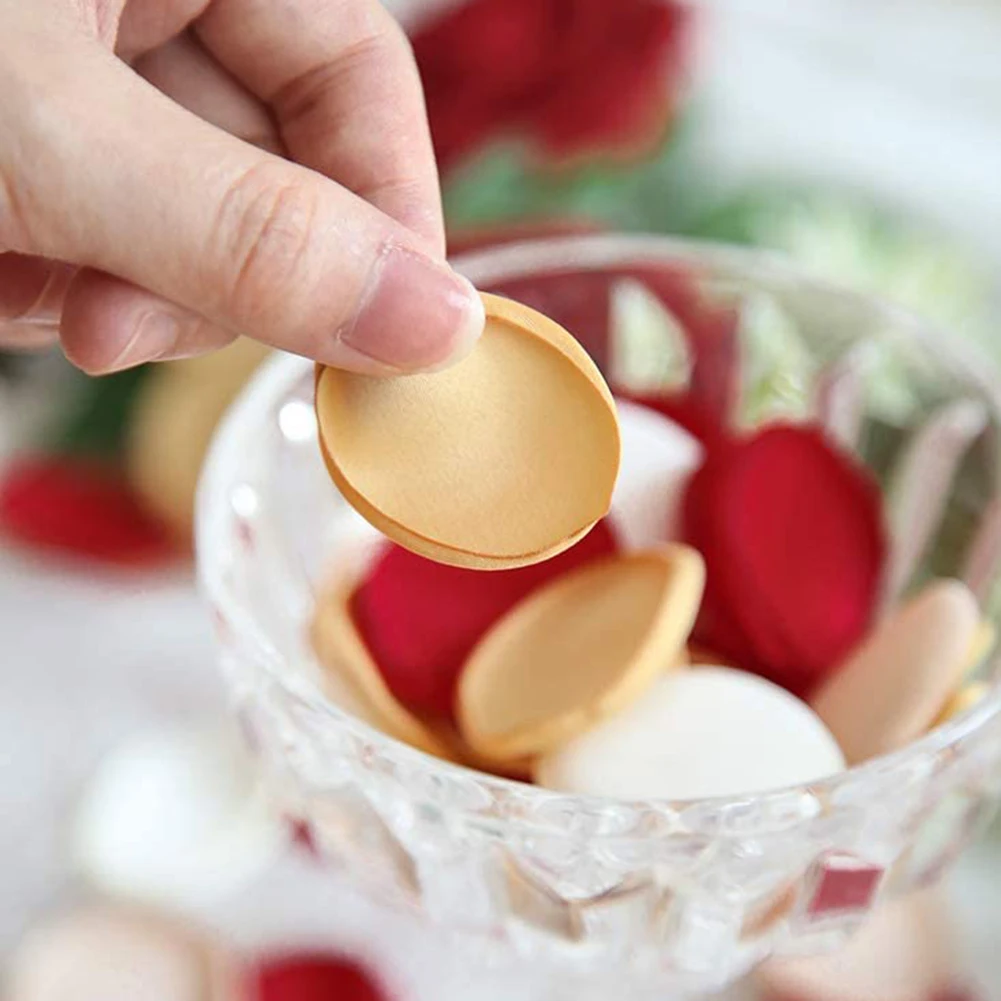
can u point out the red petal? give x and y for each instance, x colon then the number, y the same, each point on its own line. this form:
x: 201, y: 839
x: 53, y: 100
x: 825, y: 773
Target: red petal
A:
x: 421, y: 619
x: 683, y: 410
x: 316, y: 978
x: 792, y: 533
x: 717, y: 629
x: 80, y: 507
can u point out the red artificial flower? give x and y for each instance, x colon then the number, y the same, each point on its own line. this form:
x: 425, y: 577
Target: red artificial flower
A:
x: 82, y: 507
x: 421, y: 619
x: 574, y: 76
x: 316, y: 978
x: 792, y: 534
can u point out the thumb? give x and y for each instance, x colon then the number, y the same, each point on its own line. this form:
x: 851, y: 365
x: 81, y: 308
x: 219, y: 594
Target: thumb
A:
x: 116, y: 177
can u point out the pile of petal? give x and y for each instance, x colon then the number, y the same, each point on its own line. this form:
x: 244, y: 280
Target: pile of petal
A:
x: 791, y: 627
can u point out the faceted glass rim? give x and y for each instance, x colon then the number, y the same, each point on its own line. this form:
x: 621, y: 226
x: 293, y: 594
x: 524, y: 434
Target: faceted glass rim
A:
x: 237, y: 437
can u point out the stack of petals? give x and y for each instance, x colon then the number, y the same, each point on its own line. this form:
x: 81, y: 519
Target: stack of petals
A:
x: 766, y: 577
x: 421, y: 619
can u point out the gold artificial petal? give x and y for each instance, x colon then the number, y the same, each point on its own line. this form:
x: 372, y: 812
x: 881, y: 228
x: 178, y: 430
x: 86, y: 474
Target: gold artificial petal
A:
x: 892, y: 688
x: 174, y: 960
x: 342, y: 651
x: 983, y: 643
x: 519, y: 769
x: 443, y: 554
x: 906, y: 949
x: 578, y: 650
x: 969, y: 693
x: 963, y: 699
x: 505, y: 459
x: 176, y: 413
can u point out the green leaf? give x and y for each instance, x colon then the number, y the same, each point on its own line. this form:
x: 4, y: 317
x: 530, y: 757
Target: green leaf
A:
x: 98, y: 414
x: 503, y: 184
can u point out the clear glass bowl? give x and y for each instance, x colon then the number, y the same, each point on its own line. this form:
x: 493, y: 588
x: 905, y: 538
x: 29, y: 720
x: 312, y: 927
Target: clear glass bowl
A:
x: 677, y: 896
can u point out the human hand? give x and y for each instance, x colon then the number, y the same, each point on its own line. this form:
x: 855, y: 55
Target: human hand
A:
x: 175, y: 173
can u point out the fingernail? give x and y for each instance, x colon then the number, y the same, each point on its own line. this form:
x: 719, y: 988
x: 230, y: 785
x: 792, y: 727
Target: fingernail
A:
x: 156, y: 335
x: 416, y: 315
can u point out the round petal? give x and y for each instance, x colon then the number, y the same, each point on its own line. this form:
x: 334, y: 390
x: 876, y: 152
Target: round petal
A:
x: 420, y: 619
x: 793, y: 537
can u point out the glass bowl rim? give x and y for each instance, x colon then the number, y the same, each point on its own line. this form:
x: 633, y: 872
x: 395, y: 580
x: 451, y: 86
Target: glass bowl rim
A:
x: 520, y: 259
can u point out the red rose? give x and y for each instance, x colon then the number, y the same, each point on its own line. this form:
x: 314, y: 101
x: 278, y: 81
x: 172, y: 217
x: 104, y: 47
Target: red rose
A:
x: 421, y: 619
x: 792, y: 534
x: 316, y: 978
x: 82, y: 507
x: 573, y: 76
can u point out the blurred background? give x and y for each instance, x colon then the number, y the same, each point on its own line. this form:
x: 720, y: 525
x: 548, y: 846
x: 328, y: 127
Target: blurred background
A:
x: 860, y: 137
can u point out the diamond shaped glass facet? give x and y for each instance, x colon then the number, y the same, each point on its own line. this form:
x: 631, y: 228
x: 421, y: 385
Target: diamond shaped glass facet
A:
x: 538, y: 906
x: 346, y: 827
x: 621, y: 918
x: 702, y: 935
x: 457, y: 891
x: 842, y: 885
x: 766, y: 915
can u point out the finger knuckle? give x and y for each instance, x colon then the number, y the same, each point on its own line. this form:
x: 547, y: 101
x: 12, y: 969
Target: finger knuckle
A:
x: 305, y: 94
x: 267, y: 235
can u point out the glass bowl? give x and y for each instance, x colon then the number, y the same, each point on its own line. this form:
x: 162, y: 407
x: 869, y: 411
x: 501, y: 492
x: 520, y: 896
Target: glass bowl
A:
x: 672, y: 895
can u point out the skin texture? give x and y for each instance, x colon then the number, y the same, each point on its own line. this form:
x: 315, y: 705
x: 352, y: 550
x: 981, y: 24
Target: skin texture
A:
x: 174, y: 173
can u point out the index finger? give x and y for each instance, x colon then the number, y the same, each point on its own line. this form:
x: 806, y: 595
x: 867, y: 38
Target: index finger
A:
x: 340, y: 77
